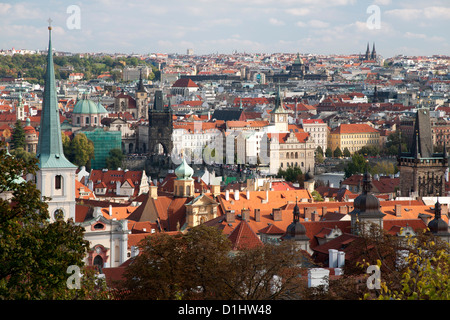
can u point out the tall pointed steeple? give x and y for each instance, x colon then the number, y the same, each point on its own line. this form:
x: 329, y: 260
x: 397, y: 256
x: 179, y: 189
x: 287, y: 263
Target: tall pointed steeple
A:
x: 367, y: 57
x: 50, y: 148
x: 374, y: 53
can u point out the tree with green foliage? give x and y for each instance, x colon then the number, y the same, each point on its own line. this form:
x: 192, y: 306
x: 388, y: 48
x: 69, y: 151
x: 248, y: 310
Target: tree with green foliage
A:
x: 358, y: 165
x: 393, y: 142
x: 34, y: 252
x: 347, y: 152
x: 328, y: 152
x: 115, y: 159
x: 20, y: 153
x: 337, y: 153
x: 370, y: 151
x: 384, y: 168
x: 319, y: 150
x: 79, y: 150
x: 18, y: 136
x: 291, y: 174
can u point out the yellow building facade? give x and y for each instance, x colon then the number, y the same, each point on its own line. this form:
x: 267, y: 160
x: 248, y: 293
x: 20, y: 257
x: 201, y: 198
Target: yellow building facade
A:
x: 353, y: 137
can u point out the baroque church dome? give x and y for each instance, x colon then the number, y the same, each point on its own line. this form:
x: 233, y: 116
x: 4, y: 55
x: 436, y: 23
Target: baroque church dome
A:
x: 438, y: 225
x: 85, y: 106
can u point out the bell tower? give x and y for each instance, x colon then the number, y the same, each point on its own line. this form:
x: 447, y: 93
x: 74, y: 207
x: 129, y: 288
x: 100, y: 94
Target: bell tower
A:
x: 279, y: 115
x: 55, y: 177
x: 141, y: 100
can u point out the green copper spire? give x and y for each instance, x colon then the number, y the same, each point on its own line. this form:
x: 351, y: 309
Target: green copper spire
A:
x: 50, y: 148
x: 279, y: 107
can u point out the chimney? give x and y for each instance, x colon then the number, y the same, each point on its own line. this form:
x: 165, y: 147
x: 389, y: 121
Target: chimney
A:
x: 227, y: 195
x: 309, y: 213
x: 398, y: 210
x: 324, y: 211
x: 215, y: 190
x: 340, y: 259
x: 257, y: 215
x: 236, y: 195
x: 343, y: 209
x: 90, y: 185
x: 229, y: 216
x: 154, y: 192
x: 110, y: 210
x: 318, y: 277
x: 248, y: 194
x: 245, y: 214
x: 332, y: 258
x: 444, y: 209
x: 276, y: 213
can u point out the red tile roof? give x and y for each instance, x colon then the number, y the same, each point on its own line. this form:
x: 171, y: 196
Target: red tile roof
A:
x: 243, y: 237
x: 184, y: 83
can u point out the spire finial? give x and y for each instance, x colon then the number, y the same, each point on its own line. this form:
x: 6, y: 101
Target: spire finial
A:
x: 49, y: 23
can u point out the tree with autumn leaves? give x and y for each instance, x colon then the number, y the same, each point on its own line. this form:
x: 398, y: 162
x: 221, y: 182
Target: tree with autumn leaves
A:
x: 200, y: 265
x: 410, y: 268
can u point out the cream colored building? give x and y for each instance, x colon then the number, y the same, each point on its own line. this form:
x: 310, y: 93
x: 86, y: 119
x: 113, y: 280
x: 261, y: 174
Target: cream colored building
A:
x: 354, y: 137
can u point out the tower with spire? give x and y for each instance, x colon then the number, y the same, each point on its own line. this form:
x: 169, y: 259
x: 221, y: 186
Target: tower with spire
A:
x: 373, y: 55
x: 141, y: 99
x: 56, y: 175
x: 367, y: 207
x: 367, y: 56
x: 296, y: 231
x: 279, y: 115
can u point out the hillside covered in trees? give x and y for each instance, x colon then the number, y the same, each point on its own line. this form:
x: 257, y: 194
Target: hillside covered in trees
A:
x: 32, y: 66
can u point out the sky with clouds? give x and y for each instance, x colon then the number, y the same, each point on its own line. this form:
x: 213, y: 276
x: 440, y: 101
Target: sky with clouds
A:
x: 410, y: 27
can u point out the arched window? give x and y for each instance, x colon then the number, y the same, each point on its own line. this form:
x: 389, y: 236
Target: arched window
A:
x: 58, y: 182
x: 58, y: 214
x: 98, y: 262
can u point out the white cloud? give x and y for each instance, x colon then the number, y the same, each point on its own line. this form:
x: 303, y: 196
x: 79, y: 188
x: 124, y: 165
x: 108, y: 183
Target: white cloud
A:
x: 318, y: 24
x: 404, y: 14
x: 437, y: 12
x: 298, y: 11
x: 413, y: 14
x: 276, y: 22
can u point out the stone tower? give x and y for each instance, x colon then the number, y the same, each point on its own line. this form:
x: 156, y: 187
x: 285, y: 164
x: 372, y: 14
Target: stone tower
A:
x: 141, y: 100
x: 422, y: 172
x: 160, y: 126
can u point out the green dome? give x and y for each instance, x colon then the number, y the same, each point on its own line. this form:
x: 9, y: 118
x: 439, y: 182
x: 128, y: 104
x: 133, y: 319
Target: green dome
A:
x: 184, y: 171
x: 101, y: 108
x: 85, y: 106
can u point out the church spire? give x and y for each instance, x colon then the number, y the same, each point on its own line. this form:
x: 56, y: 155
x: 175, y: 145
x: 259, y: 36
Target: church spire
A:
x: 50, y: 148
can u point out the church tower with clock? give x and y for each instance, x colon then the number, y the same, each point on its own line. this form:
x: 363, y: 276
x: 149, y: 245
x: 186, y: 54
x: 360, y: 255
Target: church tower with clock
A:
x: 279, y: 115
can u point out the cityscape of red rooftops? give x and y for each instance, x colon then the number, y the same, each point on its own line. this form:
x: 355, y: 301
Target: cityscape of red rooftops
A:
x: 224, y: 176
